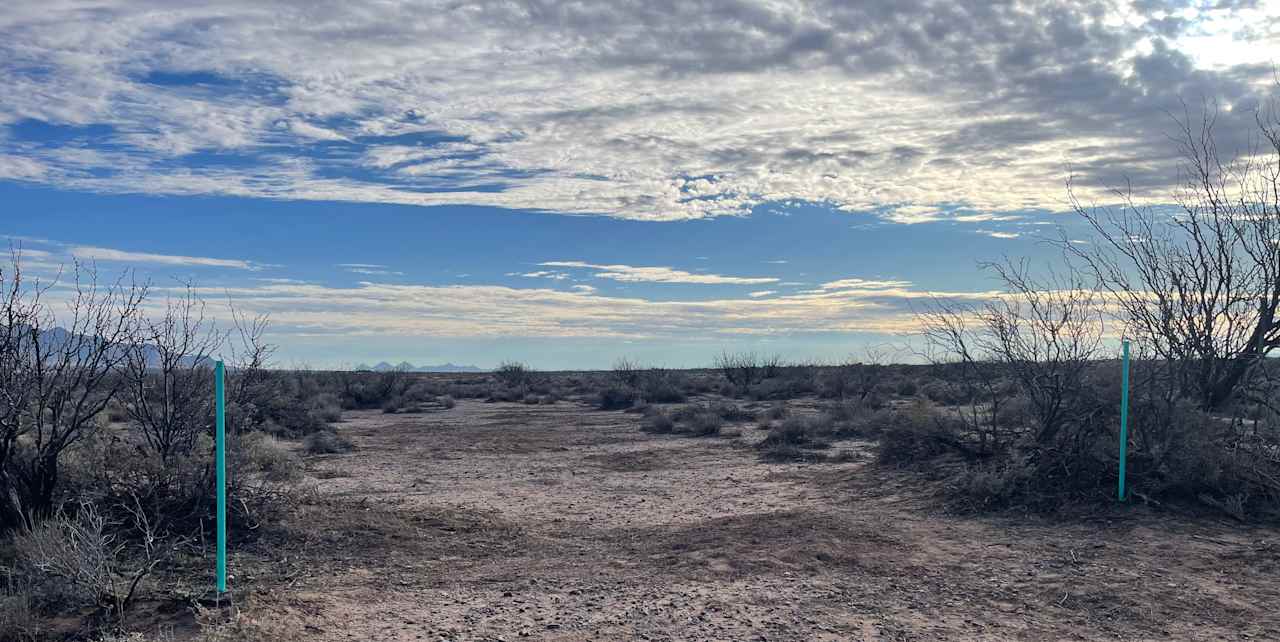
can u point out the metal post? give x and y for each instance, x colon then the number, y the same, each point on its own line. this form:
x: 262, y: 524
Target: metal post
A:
x: 220, y: 444
x: 1124, y: 415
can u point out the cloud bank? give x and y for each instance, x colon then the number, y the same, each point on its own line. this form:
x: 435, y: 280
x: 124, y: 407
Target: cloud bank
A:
x: 659, y: 110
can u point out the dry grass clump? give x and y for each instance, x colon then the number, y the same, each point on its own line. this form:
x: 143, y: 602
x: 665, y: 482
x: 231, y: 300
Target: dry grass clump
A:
x: 657, y: 422
x: 794, y: 438
x: 616, y: 397
x: 696, y: 420
x: 327, y: 442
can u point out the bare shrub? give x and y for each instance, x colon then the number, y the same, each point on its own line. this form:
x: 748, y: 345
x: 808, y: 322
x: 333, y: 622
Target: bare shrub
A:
x: 19, y: 620
x: 514, y: 374
x: 920, y: 434
x: 79, y: 557
x: 271, y: 458
x: 907, y: 388
x: 1198, y: 289
x: 326, y: 442
x: 659, y: 385
x: 658, y: 422
x: 616, y: 398
x: 740, y: 370
x: 731, y: 411
x: 170, y: 374
x: 57, y: 373
x: 701, y: 421
x: 392, y: 405
x: 627, y: 373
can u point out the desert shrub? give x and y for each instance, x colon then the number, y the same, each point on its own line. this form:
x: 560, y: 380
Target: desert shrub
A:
x: 871, y: 425
x: 842, y: 419
x: 662, y: 387
x: 326, y: 407
x: 76, y: 559
x: 393, y: 405
x: 616, y: 398
x: 944, y: 393
x: 794, y: 431
x: 358, y: 390
x: 468, y: 389
x: 271, y: 458
x: 326, y: 442
x: 19, y: 620
x: 421, y: 391
x: 1015, y: 414
x: 531, y: 399
x: 907, y: 388
x: 779, y: 388
x: 699, y: 420
x: 507, y: 394
x: 850, y: 380
x: 799, y: 379
x: 659, y: 423
x: 996, y: 484
x: 703, y: 424
x: 777, y: 411
x: 741, y: 370
x: 794, y: 439
x: 446, y: 402
x: 513, y: 374
x: 731, y: 412
x: 918, y: 434
x: 116, y: 413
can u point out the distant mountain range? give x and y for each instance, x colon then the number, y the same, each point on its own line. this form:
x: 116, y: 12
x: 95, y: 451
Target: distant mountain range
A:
x: 56, y: 337
x: 405, y: 366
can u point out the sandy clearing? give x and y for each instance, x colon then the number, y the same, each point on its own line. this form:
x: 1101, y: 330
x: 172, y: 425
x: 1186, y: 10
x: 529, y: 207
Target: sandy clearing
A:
x: 506, y: 521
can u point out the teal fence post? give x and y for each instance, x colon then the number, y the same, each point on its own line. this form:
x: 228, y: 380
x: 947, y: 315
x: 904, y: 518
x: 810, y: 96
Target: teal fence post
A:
x: 1124, y: 415
x: 220, y: 445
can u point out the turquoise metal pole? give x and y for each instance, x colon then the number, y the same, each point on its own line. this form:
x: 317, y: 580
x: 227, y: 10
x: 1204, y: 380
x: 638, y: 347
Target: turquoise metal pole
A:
x: 1124, y: 415
x: 220, y: 444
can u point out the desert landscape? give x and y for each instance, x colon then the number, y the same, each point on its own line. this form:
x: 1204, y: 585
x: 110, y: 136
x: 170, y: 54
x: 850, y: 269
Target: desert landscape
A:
x: 759, y: 320
x: 530, y: 507
x: 561, y: 522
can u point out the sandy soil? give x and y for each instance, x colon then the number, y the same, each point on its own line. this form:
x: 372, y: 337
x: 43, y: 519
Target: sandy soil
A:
x: 506, y: 521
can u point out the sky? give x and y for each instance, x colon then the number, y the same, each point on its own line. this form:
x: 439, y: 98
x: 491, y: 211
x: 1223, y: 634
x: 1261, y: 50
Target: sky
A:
x: 567, y: 183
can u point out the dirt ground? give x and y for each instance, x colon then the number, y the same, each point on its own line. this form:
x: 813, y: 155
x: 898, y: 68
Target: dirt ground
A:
x: 558, y: 522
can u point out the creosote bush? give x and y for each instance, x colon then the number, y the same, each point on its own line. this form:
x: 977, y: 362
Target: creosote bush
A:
x: 326, y: 442
x: 616, y: 398
x: 658, y: 422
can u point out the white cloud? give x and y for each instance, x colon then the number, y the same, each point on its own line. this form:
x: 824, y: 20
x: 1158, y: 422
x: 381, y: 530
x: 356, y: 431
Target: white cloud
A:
x: 491, y: 310
x: 373, y: 269
x: 761, y: 293
x: 613, y: 108
x: 543, y: 274
x: 865, y: 284
x: 632, y: 274
x: 1000, y: 235
x: 90, y: 253
x: 912, y: 214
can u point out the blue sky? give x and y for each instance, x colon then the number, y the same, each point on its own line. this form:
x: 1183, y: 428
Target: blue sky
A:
x: 260, y: 250
x: 566, y: 184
